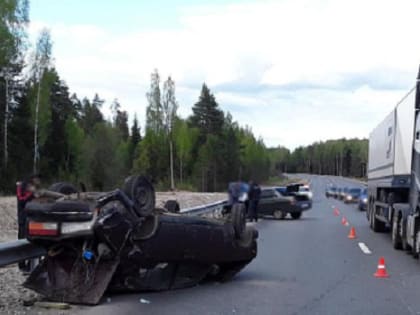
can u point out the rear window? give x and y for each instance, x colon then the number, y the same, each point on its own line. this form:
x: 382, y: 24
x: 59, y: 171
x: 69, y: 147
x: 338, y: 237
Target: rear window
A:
x: 355, y: 191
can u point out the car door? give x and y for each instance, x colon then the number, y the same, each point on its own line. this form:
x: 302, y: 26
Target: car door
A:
x: 267, y: 201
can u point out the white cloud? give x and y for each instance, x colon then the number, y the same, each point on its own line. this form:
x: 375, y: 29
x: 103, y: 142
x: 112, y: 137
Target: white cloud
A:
x: 246, y: 46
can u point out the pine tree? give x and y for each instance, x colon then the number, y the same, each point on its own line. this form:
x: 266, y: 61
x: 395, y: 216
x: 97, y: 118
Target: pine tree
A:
x: 207, y: 116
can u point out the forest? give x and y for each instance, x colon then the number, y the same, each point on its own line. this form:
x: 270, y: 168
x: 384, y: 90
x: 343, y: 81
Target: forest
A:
x: 48, y: 130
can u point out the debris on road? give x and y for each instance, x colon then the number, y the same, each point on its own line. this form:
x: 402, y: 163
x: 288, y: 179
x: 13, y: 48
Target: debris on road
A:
x: 53, y: 305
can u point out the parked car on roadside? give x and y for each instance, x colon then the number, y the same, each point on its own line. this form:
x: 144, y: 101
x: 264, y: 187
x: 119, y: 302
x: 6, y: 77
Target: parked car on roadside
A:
x: 352, y: 195
x: 280, y: 201
x: 338, y: 193
x: 363, y: 200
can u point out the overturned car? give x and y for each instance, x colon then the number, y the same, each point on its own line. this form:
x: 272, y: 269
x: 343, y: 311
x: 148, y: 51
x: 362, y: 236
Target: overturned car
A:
x: 119, y: 241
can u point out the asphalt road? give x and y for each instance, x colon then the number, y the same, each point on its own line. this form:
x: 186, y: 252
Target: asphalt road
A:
x: 307, y: 266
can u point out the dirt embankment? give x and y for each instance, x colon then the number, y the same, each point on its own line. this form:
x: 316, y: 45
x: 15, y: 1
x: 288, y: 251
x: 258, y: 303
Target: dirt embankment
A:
x: 12, y: 293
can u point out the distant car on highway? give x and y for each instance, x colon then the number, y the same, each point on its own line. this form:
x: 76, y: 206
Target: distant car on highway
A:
x: 363, y: 200
x: 280, y: 201
x: 343, y: 193
x: 338, y: 192
x: 331, y: 192
x: 352, y: 195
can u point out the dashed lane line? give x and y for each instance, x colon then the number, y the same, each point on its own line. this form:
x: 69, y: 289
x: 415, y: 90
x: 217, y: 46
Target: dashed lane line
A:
x: 364, y: 248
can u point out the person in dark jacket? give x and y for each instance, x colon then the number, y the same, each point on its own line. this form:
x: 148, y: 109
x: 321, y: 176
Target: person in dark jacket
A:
x: 25, y: 192
x: 254, y: 198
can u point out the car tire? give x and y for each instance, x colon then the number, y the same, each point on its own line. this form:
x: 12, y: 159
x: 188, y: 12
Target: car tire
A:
x: 238, y: 219
x: 296, y: 215
x: 395, y: 236
x: 63, y: 188
x: 279, y: 215
x: 142, y: 193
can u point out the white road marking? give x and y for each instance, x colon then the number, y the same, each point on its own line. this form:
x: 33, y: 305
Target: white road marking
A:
x: 364, y: 248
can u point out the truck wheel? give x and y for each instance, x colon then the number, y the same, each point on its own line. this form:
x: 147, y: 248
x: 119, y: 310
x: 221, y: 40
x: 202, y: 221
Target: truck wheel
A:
x: 238, y: 219
x: 416, y: 249
x: 403, y: 235
x: 279, y: 215
x: 63, y: 188
x: 377, y: 225
x: 395, y: 236
x: 296, y: 215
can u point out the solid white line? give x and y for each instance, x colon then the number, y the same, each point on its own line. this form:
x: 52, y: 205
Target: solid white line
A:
x: 364, y: 248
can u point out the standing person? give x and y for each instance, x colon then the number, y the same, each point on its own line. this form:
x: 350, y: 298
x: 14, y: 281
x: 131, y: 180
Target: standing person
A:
x: 25, y: 192
x: 255, y: 192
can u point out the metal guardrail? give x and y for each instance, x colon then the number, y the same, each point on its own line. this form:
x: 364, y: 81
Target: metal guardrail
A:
x: 215, y: 208
x: 15, y: 251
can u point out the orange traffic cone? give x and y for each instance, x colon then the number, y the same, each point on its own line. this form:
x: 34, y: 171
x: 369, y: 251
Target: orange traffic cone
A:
x: 381, y: 271
x: 344, y: 221
x: 352, y: 233
x: 336, y: 212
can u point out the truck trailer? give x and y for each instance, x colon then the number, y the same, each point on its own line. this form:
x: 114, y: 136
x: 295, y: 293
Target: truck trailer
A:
x: 394, y: 174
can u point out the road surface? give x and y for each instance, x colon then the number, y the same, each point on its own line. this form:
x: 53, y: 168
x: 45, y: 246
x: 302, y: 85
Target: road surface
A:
x: 307, y: 266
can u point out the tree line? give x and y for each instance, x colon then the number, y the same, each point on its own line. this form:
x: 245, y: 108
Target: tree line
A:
x: 343, y: 157
x: 45, y: 129
x: 48, y: 130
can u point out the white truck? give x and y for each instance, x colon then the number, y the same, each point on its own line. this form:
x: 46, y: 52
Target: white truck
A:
x: 394, y: 174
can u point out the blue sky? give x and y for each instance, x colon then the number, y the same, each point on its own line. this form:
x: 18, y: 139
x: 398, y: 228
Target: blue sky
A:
x: 295, y: 71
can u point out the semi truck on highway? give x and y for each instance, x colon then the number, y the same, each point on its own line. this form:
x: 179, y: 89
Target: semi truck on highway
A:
x: 394, y: 174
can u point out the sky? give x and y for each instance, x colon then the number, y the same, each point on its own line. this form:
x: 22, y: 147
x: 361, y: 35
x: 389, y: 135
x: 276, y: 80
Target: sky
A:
x: 295, y: 71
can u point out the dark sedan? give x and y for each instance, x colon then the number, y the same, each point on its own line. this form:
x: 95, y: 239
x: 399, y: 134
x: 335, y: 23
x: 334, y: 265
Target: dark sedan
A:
x: 331, y: 192
x: 275, y: 202
x: 352, y: 195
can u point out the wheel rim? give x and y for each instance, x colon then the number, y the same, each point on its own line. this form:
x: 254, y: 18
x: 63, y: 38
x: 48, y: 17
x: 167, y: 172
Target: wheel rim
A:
x: 278, y: 214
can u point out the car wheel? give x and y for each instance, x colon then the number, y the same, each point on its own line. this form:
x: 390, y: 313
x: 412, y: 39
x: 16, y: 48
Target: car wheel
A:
x: 238, y: 219
x: 395, y: 236
x: 279, y: 214
x: 296, y: 215
x: 141, y: 192
x: 63, y: 188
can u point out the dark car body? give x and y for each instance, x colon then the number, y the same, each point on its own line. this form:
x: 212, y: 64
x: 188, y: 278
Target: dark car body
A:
x: 120, y: 242
x: 362, y: 205
x: 331, y: 192
x: 352, y: 195
x: 280, y: 201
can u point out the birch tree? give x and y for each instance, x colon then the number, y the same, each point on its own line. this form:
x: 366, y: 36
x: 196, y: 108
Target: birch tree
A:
x: 41, y: 62
x: 169, y: 109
